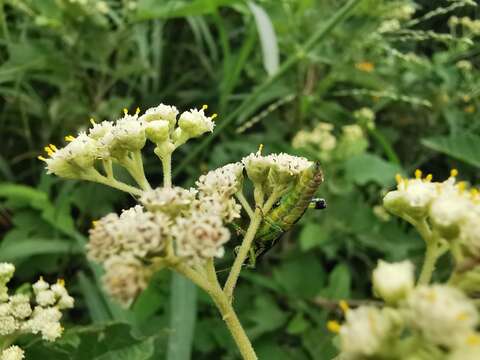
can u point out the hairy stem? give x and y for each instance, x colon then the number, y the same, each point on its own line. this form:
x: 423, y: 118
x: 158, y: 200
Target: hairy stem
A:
x: 95, y: 176
x: 244, y: 202
x: 167, y: 170
x: 242, y: 253
x: 431, y: 254
x: 211, y: 286
x: 134, y: 166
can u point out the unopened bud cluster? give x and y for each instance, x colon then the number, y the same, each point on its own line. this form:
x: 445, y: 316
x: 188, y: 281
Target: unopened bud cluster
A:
x: 328, y: 146
x: 424, y: 322
x: 26, y: 313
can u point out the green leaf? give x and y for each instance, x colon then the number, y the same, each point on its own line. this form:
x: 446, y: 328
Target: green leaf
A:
x: 140, y: 351
x: 462, y: 146
x: 183, y: 312
x: 267, y: 316
x: 166, y: 9
x: 313, y: 235
x: 366, y: 168
x: 268, y: 39
x: 338, y: 283
x: 295, y: 281
x: 14, y: 251
x: 96, y: 306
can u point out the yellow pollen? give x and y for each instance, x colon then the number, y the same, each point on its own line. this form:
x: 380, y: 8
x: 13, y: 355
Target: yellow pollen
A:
x: 453, y: 173
x: 344, y: 306
x: 474, y: 193
x: 92, y: 121
x: 125, y: 111
x: 49, y: 151
x: 94, y: 222
x: 214, y: 116
x: 69, y: 138
x: 473, y: 339
x: 398, y: 178
x: 333, y: 326
x: 61, y: 282
x: 365, y: 66
x: 204, y: 107
x: 137, y: 111
x: 429, y: 177
x: 418, y: 174
x: 53, y: 147
x: 461, y: 186
x: 41, y: 158
x: 260, y: 149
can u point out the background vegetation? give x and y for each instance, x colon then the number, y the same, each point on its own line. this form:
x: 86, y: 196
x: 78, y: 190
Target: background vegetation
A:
x: 273, y: 70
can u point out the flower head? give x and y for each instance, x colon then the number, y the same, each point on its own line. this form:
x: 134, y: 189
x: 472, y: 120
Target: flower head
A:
x: 367, y: 331
x: 161, y: 112
x: 125, y: 278
x: 225, y: 181
x: 443, y: 314
x: 200, y: 237
x: 393, y: 282
x: 12, y: 353
x: 74, y: 160
x: 171, y: 201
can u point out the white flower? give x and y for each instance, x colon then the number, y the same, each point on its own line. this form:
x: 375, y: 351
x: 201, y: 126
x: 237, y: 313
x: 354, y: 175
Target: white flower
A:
x: 225, y: 207
x: 20, y: 306
x: 64, y: 300
x: 128, y: 134
x: 449, y: 209
x: 8, y: 325
x: 46, y: 298
x: 470, y: 234
x: 257, y: 167
x: 12, y: 353
x: 74, y: 159
x: 285, y: 169
x: 6, y: 273
x: 443, y: 314
x: 171, y: 201
x: 124, y: 279
x: 393, y: 281
x: 225, y: 181
x: 40, y: 285
x: 193, y: 123
x: 199, y: 237
x: 99, y: 130
x: 135, y: 233
x: 45, y: 321
x: 367, y: 330
x: 412, y: 197
x: 161, y: 112
x: 157, y: 131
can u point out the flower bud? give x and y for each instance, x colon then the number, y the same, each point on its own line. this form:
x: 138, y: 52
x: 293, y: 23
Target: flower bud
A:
x: 161, y: 112
x: 393, y: 281
x: 195, y: 123
x: 157, y: 131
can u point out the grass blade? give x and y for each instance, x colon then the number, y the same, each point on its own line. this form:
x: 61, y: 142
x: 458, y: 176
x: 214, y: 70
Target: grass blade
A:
x: 183, y: 310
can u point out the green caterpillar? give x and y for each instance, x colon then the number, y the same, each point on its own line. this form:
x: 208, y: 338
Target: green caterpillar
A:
x: 291, y: 208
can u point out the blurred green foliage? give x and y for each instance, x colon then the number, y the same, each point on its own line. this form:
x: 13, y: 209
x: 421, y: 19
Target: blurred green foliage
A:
x: 65, y: 61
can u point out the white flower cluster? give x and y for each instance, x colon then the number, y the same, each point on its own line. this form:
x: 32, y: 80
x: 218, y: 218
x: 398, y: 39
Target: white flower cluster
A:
x: 322, y: 141
x: 441, y: 317
x: 450, y: 208
x: 13, y: 352
x: 188, y: 222
x: 22, y: 314
x: 274, y: 171
x: 116, y: 141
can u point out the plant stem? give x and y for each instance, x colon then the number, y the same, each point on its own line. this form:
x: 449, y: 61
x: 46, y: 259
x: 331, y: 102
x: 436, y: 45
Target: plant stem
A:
x: 211, y: 286
x: 431, y: 254
x: 95, y: 176
x: 167, y: 170
x: 141, y: 179
x: 242, y: 253
x: 244, y: 202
